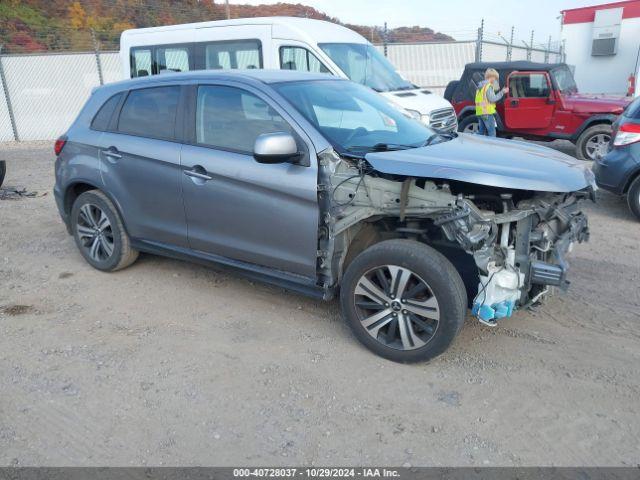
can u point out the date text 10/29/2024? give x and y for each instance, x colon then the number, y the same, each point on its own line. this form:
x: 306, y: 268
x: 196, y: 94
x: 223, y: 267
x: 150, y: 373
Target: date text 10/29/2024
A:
x: 316, y: 472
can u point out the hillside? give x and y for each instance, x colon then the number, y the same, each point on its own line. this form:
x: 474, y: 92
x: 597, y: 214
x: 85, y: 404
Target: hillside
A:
x: 39, y: 25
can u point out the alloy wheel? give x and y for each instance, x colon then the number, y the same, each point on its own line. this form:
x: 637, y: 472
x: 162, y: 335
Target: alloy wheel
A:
x: 95, y: 232
x: 597, y: 146
x: 397, y: 307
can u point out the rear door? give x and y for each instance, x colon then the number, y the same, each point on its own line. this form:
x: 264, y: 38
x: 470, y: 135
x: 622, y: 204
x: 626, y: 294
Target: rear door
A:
x: 530, y: 104
x: 237, y: 208
x: 140, y: 165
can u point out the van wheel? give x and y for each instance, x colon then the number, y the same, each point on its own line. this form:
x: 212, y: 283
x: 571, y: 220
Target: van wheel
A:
x: 3, y: 171
x: 594, y: 142
x: 99, y: 233
x: 403, y: 300
x: 633, y: 197
x: 469, y: 124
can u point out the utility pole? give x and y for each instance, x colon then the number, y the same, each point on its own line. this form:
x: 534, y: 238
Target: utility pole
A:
x: 226, y: 8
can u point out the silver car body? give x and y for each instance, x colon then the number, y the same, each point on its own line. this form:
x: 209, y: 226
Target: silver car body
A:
x: 294, y: 223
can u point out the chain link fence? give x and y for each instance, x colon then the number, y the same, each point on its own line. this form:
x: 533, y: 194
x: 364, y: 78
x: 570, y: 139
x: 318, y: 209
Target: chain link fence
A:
x: 41, y: 94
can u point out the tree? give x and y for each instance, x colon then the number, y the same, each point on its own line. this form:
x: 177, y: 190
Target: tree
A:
x: 77, y: 15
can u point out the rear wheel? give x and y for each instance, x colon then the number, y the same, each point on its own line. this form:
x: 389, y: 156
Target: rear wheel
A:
x: 594, y: 142
x: 633, y: 197
x: 469, y: 124
x: 403, y: 300
x: 99, y: 232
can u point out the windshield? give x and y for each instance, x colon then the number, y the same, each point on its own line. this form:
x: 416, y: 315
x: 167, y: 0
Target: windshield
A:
x: 354, y: 118
x: 364, y: 64
x: 564, y: 80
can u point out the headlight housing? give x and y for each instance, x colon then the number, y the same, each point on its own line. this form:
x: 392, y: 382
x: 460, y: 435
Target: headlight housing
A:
x: 424, y: 118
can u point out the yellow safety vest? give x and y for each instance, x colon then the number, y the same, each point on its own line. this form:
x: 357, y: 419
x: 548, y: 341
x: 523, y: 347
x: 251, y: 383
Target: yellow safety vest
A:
x: 483, y: 106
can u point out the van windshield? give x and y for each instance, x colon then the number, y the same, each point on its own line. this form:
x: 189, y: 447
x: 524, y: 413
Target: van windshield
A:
x: 363, y: 63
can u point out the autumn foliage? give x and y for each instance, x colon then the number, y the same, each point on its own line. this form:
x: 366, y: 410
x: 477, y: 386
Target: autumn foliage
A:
x: 38, y: 25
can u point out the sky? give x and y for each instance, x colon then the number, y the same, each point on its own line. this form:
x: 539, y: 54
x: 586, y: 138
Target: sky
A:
x: 458, y: 18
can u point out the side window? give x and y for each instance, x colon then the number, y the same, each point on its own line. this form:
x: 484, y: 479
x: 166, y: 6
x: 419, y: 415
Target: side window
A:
x: 172, y: 59
x: 101, y: 121
x: 150, y: 112
x: 231, y: 118
x: 529, y: 85
x: 235, y: 54
x: 140, y: 62
x: 298, y: 58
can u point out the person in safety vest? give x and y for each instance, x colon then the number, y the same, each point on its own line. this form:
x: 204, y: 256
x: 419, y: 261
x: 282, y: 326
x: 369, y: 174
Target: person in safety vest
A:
x: 486, y: 98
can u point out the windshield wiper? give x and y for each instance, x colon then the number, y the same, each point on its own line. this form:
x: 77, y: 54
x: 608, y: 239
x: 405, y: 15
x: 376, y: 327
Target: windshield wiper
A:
x: 379, y: 147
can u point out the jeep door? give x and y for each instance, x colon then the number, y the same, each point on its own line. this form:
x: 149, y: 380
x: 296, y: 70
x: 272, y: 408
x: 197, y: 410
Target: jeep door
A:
x: 263, y: 214
x: 140, y: 164
x: 530, y: 104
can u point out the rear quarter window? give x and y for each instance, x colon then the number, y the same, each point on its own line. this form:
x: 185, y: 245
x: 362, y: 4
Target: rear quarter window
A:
x: 150, y: 112
x: 633, y: 110
x: 102, y: 119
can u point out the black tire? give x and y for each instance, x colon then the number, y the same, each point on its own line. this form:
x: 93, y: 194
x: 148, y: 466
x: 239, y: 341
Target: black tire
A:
x: 467, y: 122
x: 3, y: 171
x: 426, y: 265
x: 113, y: 251
x: 584, y: 140
x: 633, y: 197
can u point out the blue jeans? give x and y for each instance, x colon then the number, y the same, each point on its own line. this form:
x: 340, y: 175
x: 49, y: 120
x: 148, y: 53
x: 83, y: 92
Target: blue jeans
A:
x: 487, y: 125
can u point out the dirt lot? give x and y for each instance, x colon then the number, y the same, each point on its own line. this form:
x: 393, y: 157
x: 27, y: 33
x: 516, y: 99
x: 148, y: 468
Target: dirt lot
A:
x: 169, y: 363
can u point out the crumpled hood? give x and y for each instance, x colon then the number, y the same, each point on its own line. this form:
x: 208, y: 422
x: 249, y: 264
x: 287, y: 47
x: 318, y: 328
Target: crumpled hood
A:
x: 489, y: 161
x: 595, y: 103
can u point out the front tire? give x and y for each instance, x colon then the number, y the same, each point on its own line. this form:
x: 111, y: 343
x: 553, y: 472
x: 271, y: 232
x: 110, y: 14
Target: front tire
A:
x: 100, y: 234
x: 633, y: 197
x: 469, y: 124
x: 403, y: 300
x: 593, y: 143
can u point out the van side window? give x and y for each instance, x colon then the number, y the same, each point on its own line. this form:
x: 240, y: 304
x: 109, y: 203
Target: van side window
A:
x: 230, y: 118
x: 150, y: 112
x: 301, y: 59
x: 141, y: 62
x: 233, y: 54
x: 102, y: 119
x: 172, y: 59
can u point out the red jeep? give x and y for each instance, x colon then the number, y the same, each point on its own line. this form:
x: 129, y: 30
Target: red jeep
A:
x: 543, y: 104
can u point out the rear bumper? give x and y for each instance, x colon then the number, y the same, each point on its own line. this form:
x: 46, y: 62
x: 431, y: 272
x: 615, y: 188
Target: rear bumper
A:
x: 613, y: 171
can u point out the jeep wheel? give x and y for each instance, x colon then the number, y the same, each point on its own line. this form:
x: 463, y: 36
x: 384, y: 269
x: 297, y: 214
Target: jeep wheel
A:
x: 594, y: 142
x: 469, y: 124
x: 403, y: 300
x: 633, y: 197
x: 3, y: 171
x: 99, y: 232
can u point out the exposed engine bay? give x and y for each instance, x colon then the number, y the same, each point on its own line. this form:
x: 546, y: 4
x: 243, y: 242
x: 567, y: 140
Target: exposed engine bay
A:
x: 518, y: 239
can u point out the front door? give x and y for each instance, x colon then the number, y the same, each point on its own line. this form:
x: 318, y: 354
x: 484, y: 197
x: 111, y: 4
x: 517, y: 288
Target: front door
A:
x: 530, y: 103
x: 240, y: 209
x: 140, y: 165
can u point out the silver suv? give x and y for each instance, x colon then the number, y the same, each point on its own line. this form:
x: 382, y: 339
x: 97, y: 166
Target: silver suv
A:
x: 319, y: 185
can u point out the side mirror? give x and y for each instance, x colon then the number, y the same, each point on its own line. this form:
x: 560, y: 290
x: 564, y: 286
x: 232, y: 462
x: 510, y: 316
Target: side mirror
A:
x: 278, y: 147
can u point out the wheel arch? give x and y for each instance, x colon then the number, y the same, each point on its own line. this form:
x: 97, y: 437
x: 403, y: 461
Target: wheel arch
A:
x: 605, y: 119
x: 635, y: 174
x: 77, y: 188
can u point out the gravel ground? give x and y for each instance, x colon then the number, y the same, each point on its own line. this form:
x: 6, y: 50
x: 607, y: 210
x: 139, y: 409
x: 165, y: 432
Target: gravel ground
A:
x: 170, y: 363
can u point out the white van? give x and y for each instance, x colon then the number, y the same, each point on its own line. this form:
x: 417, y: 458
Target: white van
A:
x: 278, y: 43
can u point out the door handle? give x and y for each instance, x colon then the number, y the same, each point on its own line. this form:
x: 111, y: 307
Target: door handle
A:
x: 112, y: 153
x: 199, y: 173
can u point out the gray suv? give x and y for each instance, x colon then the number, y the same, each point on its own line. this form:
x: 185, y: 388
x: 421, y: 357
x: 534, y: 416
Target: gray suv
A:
x: 321, y: 186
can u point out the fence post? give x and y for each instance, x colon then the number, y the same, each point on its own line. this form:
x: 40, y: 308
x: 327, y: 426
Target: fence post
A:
x: 510, y: 47
x: 7, y: 97
x: 384, y: 40
x: 96, y: 51
x: 479, y: 42
x: 530, y: 47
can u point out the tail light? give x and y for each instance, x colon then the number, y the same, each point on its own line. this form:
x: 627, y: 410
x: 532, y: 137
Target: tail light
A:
x: 627, y: 133
x: 59, y: 145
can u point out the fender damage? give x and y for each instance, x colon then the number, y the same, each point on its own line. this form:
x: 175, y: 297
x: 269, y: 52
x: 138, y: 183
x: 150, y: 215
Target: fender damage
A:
x: 517, y: 226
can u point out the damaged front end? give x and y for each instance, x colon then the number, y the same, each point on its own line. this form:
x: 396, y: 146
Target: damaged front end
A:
x: 518, y: 239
